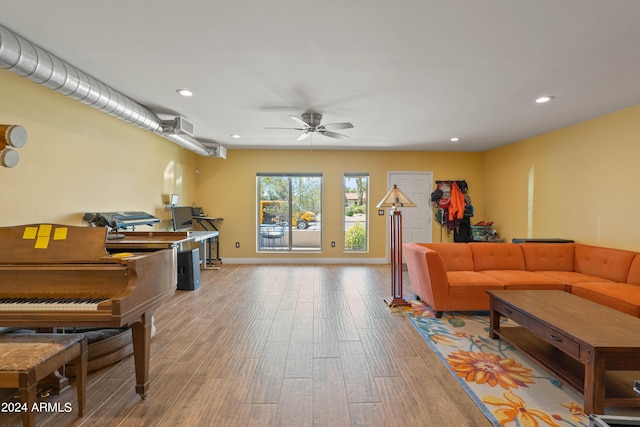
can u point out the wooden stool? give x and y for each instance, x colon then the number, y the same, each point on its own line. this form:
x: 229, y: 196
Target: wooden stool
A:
x: 25, y: 359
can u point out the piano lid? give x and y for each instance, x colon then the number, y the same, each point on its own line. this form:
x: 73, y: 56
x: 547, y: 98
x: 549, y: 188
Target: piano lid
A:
x: 126, y: 219
x: 51, y: 243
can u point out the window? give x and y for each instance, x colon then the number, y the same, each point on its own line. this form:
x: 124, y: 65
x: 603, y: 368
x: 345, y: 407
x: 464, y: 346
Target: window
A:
x: 289, y: 212
x: 356, y: 212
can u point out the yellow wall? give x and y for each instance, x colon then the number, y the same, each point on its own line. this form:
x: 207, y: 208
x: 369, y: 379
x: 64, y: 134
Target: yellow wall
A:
x: 227, y: 189
x: 584, y: 183
x: 577, y: 182
x: 79, y: 160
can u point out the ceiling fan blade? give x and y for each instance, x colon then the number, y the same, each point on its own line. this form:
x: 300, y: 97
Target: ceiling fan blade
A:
x: 332, y: 134
x: 300, y: 122
x: 304, y: 136
x: 336, y: 126
x: 287, y: 128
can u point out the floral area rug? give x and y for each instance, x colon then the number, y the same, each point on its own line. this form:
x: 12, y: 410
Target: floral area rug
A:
x: 510, y: 389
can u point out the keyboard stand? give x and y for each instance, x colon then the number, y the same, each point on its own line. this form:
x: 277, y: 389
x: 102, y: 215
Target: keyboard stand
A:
x: 211, y: 224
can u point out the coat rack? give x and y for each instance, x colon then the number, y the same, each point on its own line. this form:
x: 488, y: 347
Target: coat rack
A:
x: 442, y: 201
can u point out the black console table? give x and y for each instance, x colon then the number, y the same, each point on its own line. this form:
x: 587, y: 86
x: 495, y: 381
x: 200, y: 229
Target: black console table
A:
x: 529, y: 240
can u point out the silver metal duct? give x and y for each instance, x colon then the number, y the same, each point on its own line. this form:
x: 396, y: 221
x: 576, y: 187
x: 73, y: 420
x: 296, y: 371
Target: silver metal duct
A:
x: 30, y: 61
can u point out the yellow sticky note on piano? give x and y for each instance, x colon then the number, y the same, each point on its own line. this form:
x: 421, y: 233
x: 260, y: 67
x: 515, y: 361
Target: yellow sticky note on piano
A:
x: 60, y: 233
x: 122, y: 255
x: 42, y: 242
x: 30, y: 233
x: 44, y: 230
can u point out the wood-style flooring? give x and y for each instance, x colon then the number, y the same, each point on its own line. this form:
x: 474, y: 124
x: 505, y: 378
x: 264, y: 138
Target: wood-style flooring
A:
x: 283, y: 345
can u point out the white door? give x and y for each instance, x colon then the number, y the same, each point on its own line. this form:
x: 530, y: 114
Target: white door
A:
x: 417, y: 186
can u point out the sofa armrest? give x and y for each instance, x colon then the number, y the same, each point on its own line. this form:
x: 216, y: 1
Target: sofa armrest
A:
x: 428, y: 275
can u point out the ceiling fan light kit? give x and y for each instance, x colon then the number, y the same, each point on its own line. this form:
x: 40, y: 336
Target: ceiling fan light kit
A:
x: 309, y: 119
x: 310, y: 123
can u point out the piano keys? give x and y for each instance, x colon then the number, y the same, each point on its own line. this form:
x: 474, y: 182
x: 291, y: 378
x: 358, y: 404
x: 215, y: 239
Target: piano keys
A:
x: 62, y: 276
x: 50, y: 304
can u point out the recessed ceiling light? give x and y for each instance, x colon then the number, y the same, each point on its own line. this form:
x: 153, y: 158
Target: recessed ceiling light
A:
x: 235, y: 136
x: 454, y: 139
x: 184, y: 92
x: 543, y: 99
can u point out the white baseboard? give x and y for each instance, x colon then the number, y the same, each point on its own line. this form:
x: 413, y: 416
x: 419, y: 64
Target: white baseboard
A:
x: 284, y: 260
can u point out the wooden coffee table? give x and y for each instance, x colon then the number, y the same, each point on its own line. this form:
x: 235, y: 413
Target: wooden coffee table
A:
x: 589, y: 346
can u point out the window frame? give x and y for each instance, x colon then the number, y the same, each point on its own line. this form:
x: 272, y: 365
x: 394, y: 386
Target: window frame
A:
x: 367, y: 212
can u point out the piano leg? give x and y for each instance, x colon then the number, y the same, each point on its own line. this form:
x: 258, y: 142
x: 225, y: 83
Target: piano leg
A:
x: 141, y: 338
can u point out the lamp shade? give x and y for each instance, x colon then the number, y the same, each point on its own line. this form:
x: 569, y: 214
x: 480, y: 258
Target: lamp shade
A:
x: 395, y: 199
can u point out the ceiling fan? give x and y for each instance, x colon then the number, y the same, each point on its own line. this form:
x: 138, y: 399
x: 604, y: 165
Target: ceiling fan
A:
x: 310, y: 123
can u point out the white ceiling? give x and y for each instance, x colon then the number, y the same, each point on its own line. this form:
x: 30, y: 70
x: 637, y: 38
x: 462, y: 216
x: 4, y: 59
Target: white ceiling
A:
x: 409, y: 74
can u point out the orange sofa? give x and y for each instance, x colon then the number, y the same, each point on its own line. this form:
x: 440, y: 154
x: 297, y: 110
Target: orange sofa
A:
x: 456, y: 276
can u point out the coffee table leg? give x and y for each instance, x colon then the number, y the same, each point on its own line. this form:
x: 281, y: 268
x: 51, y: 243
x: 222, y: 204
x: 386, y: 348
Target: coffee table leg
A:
x: 594, y: 385
x: 494, y: 322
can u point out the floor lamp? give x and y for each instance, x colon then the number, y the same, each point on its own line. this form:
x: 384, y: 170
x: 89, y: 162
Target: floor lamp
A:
x: 394, y: 200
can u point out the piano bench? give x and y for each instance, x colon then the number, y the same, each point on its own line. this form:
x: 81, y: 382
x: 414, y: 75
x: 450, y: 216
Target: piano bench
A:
x: 27, y: 358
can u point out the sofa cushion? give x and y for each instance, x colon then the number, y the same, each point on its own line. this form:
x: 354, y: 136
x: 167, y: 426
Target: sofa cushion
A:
x: 620, y: 296
x: 571, y: 277
x: 497, y: 256
x: 517, y: 279
x: 456, y: 256
x: 608, y: 263
x: 473, y: 279
x: 548, y: 256
x: 469, y: 289
x: 633, y: 276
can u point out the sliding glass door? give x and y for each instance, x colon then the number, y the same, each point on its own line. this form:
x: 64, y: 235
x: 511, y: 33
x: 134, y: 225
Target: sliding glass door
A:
x: 289, y: 212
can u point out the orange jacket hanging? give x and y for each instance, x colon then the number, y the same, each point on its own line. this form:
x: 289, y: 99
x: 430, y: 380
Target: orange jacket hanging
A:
x: 456, y: 204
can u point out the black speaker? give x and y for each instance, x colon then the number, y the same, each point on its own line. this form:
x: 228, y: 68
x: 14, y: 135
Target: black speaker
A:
x: 189, y: 270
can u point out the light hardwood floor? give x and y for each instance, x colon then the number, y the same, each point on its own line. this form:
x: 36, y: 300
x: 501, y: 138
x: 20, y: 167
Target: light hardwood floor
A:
x: 286, y: 345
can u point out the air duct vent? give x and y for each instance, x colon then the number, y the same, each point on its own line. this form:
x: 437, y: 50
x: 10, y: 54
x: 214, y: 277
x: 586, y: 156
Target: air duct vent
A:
x: 178, y: 125
x: 219, y: 152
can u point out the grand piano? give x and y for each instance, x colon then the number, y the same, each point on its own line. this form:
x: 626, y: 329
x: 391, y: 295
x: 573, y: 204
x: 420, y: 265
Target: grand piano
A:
x: 62, y: 276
